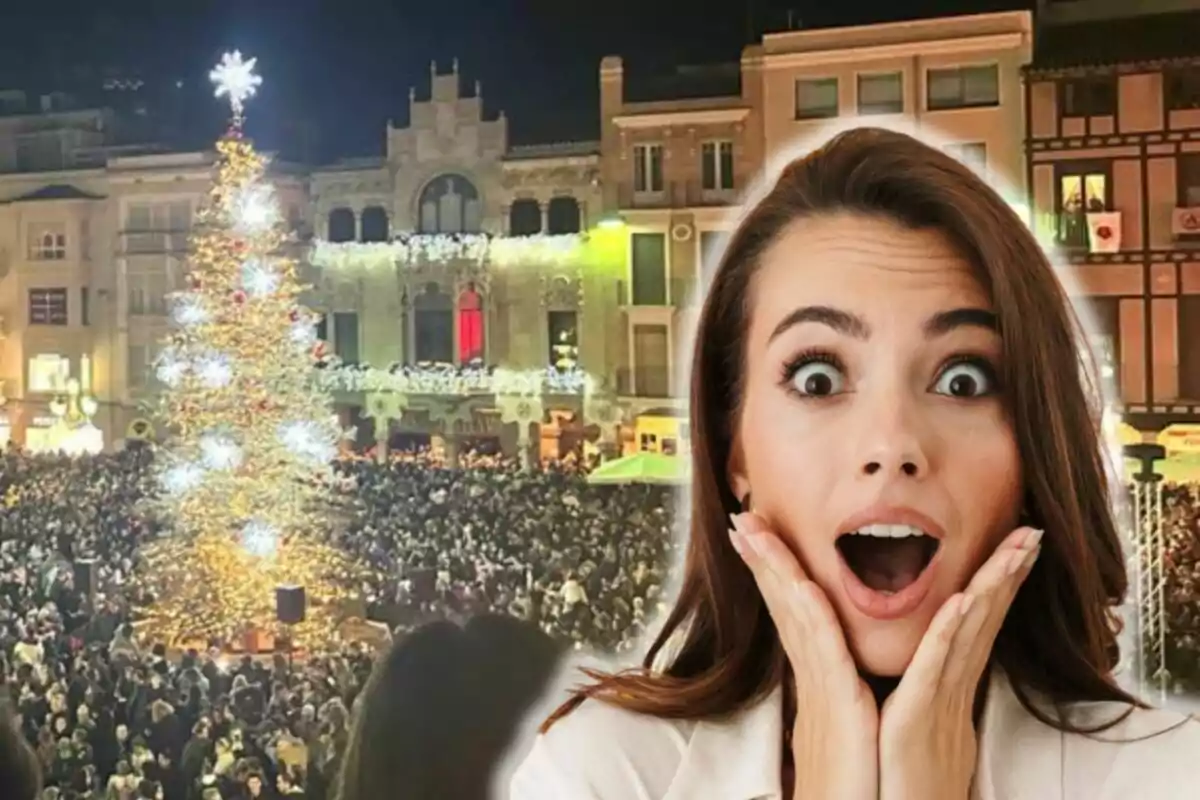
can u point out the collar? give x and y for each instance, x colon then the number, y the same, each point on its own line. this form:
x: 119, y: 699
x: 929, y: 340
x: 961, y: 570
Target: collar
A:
x: 738, y: 757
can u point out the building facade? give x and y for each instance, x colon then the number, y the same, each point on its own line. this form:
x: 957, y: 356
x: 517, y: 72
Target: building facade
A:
x: 1113, y: 145
x: 671, y: 169
x: 958, y: 77
x: 474, y: 292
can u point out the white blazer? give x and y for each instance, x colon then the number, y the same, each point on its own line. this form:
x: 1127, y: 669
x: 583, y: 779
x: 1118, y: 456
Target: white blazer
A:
x: 599, y: 752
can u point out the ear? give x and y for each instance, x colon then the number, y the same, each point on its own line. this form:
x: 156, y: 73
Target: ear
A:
x: 735, y: 472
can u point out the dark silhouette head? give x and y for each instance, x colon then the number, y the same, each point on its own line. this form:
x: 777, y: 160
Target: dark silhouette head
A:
x: 442, y: 707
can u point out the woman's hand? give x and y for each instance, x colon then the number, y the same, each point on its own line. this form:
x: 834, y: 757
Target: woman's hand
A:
x: 927, y: 741
x: 834, y: 737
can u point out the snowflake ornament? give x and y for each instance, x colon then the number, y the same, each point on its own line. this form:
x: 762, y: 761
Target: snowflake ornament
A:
x: 235, y: 79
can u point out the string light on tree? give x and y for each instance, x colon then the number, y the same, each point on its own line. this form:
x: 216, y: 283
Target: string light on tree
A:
x: 248, y: 473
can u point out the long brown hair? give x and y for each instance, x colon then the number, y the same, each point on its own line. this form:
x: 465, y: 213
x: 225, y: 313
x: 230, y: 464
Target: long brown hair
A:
x: 1060, y: 637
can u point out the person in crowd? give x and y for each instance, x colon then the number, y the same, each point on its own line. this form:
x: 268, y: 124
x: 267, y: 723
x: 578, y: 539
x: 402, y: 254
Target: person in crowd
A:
x: 903, y: 568
x: 442, y: 707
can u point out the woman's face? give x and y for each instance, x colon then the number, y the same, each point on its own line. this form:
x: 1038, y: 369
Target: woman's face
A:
x: 872, y: 435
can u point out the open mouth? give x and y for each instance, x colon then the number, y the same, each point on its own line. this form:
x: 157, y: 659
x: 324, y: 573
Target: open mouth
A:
x: 887, y: 558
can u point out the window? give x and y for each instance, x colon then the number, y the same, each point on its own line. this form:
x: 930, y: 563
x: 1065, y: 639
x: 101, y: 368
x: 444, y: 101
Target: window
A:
x: 85, y: 311
x: 716, y: 165
x: 49, y: 372
x: 374, y: 223
x: 345, y: 336
x: 47, y: 243
x: 647, y: 168
x: 1188, y: 179
x: 470, y: 325
x: 650, y: 361
x: 1089, y: 97
x: 648, y: 265
x: 47, y: 306
x: 1182, y: 89
x: 158, y: 227
x: 433, y: 326
x: 342, y: 226
x: 816, y: 99
x: 1080, y: 193
x: 881, y: 94
x: 139, y: 365
x: 524, y: 217
x: 148, y: 289
x: 563, y: 327
x: 563, y: 216
x: 962, y: 87
x: 973, y: 154
x: 450, y: 204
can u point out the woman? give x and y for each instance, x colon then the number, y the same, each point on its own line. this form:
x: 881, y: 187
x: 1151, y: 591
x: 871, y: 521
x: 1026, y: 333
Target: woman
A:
x: 888, y: 403
x: 441, y: 709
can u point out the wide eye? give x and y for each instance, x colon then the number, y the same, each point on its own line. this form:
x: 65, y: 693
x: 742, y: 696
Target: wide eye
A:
x: 818, y: 379
x: 965, y: 379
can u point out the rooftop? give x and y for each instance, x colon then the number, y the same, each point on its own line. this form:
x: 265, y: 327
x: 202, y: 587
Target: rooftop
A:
x: 56, y: 191
x: 1109, y: 42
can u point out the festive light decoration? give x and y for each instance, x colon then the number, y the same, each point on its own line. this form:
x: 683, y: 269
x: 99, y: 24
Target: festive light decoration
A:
x: 415, y: 249
x: 248, y: 474
x: 449, y: 379
x: 235, y: 79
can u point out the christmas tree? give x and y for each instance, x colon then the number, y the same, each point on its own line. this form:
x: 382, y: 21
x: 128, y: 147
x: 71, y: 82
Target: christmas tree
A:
x: 247, y: 470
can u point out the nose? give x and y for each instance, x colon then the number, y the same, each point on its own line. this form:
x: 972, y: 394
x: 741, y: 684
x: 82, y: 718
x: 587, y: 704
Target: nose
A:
x: 894, y: 446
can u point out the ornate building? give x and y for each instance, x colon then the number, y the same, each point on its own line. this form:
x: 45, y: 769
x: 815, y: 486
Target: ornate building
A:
x: 453, y: 254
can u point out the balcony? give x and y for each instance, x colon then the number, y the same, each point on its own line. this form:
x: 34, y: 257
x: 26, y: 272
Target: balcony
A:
x: 675, y: 194
x: 154, y: 242
x: 1097, y: 232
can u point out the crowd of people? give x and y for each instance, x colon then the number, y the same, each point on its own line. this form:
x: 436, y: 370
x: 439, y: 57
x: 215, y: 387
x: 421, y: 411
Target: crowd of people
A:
x: 111, y: 716
x: 1181, y: 527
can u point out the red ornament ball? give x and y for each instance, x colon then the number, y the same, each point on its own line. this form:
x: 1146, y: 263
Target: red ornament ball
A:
x: 239, y: 297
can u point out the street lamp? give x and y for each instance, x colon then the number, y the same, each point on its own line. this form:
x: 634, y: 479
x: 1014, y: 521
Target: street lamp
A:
x: 1149, y: 554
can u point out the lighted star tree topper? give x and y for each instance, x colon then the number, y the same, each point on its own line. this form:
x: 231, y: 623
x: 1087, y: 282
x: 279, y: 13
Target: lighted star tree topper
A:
x: 247, y: 473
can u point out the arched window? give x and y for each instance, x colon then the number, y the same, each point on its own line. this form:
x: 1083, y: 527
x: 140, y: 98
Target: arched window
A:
x: 563, y: 216
x: 433, y: 325
x: 374, y: 224
x: 470, y: 325
x: 450, y: 204
x: 524, y: 217
x: 342, y: 225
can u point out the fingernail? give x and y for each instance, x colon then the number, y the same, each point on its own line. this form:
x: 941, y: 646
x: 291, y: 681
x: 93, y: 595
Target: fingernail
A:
x: 1031, y: 558
x: 965, y: 605
x: 739, y: 543
x: 737, y: 525
x: 1032, y: 539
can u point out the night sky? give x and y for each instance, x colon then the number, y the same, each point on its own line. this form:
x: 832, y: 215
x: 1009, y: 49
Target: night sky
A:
x: 337, y: 70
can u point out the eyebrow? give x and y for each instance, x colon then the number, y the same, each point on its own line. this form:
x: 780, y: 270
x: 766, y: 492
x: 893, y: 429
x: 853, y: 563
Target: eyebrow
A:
x: 855, y: 326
